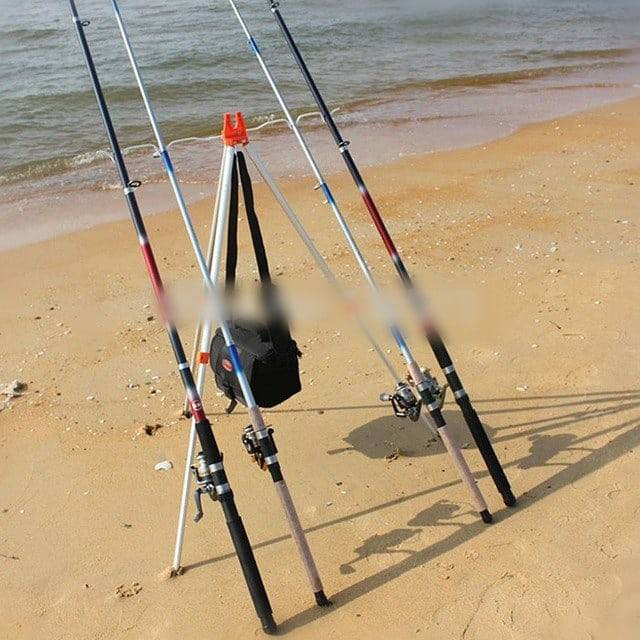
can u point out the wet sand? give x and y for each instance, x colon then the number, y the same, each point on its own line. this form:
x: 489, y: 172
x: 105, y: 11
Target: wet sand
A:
x: 528, y: 247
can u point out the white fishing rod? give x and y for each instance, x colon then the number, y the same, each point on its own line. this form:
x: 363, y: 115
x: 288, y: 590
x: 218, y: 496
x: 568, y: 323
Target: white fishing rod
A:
x: 263, y: 436
x: 423, y: 384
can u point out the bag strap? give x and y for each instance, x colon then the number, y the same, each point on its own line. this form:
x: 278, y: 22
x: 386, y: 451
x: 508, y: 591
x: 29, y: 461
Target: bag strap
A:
x: 254, y: 225
x: 276, y: 323
x: 240, y: 167
x: 232, y: 235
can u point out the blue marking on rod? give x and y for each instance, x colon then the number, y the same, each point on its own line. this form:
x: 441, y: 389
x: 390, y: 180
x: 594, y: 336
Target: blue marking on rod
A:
x: 166, y: 161
x: 235, y: 359
x: 327, y: 193
x: 398, y: 337
x: 254, y: 46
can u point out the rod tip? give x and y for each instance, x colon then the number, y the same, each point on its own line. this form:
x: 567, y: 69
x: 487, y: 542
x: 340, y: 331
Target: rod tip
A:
x: 486, y: 516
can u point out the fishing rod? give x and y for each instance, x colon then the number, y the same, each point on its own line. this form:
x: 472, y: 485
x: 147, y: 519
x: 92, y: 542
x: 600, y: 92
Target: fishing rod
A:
x: 261, y: 435
x: 432, y: 334
x: 423, y: 384
x: 213, y: 478
x: 403, y: 400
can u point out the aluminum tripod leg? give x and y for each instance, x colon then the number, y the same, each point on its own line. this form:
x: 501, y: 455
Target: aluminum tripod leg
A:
x: 214, y: 254
x: 212, y: 232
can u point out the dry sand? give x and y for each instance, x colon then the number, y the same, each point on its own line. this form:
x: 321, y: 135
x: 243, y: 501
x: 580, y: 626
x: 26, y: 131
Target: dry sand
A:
x: 529, y: 247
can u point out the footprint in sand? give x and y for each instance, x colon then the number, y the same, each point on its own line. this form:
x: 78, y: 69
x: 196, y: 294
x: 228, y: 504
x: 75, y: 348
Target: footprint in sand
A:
x: 127, y: 592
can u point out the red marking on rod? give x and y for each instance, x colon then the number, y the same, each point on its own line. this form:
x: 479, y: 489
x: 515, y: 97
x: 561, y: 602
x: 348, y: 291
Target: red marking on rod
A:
x: 378, y: 222
x: 195, y: 403
x: 154, y: 275
x: 430, y: 329
x: 152, y: 268
x: 197, y: 413
x: 204, y: 357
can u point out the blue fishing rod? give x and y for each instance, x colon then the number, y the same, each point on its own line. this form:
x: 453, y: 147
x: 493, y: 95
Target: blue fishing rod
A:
x: 432, y: 334
x: 262, y: 436
x: 425, y: 386
x: 212, y: 478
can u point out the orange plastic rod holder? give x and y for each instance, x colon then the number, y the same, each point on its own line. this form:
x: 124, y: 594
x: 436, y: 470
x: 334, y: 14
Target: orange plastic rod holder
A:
x: 234, y: 134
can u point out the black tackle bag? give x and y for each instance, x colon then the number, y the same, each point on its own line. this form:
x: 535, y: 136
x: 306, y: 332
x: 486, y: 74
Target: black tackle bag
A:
x: 268, y: 353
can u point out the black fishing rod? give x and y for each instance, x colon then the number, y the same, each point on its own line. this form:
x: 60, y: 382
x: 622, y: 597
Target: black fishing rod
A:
x: 212, y: 478
x: 433, y: 336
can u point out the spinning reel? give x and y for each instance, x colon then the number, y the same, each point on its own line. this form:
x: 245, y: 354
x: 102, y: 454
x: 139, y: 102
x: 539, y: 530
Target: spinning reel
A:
x: 403, y: 402
x: 254, y: 447
x: 204, y: 484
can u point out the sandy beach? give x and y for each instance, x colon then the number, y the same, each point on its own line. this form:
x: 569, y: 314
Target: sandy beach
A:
x: 528, y: 248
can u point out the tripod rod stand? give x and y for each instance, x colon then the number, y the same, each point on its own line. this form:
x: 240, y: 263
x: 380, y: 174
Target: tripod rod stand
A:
x: 410, y: 406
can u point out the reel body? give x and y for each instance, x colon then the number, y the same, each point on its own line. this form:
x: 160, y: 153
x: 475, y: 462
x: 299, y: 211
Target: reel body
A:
x: 404, y: 402
x: 255, y: 448
x: 204, y: 484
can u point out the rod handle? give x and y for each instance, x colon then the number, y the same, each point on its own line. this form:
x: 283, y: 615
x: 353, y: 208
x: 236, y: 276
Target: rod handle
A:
x: 248, y: 564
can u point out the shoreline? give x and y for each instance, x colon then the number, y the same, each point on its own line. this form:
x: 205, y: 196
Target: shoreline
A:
x: 607, y: 67
x: 449, y: 120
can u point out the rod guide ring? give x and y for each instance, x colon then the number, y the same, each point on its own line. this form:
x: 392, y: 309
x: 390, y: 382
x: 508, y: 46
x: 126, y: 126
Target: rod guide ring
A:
x: 134, y: 184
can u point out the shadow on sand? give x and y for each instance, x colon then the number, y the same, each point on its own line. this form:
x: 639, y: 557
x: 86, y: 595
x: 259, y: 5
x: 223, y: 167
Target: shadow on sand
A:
x: 548, y: 436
